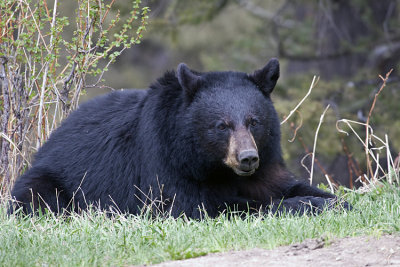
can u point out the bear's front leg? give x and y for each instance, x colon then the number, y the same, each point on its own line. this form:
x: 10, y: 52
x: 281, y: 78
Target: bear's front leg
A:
x: 302, y: 205
x: 297, y: 189
x: 301, y: 198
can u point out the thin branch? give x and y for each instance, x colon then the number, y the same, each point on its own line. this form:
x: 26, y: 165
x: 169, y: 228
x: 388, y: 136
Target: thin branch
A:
x: 4, y: 118
x: 37, y: 26
x: 297, y: 128
x: 370, y: 151
x: 44, y: 83
x: 351, y: 163
x: 106, y: 13
x: 3, y: 135
x: 367, y: 136
x: 300, y: 139
x: 313, y: 84
x: 315, y: 143
x: 390, y: 164
x: 67, y: 86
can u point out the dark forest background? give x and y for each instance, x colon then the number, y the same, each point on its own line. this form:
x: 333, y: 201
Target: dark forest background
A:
x: 347, y: 43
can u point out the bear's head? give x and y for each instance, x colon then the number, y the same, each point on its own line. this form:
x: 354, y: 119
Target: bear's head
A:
x: 232, y: 116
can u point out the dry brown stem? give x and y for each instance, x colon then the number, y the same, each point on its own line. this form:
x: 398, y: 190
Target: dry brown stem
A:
x: 367, y: 124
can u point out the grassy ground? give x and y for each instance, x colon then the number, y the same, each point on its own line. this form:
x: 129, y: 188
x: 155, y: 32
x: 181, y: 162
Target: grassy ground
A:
x: 95, y: 239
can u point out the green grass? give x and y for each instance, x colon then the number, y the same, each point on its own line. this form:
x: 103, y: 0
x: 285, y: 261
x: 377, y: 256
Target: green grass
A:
x: 95, y: 239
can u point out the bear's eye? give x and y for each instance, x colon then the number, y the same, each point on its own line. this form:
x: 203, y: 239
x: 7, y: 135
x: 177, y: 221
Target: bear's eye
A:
x: 253, y: 122
x: 222, y: 126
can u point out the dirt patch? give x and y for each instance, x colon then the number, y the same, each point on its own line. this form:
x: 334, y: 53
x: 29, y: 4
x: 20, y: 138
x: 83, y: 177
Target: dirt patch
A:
x: 354, y: 251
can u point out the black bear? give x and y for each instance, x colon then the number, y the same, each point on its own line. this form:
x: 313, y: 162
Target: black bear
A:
x: 193, y: 142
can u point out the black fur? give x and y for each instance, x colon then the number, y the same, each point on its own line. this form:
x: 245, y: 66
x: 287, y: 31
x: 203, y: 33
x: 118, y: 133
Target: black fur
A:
x: 132, y: 147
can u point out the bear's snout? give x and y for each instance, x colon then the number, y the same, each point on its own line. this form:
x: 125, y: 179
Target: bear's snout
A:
x: 242, y: 154
x: 248, y: 160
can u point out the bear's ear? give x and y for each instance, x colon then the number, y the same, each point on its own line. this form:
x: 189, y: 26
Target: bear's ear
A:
x: 189, y: 80
x: 267, y: 77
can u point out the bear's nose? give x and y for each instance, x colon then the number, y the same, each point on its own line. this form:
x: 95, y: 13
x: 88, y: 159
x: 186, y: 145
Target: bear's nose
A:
x: 248, y: 160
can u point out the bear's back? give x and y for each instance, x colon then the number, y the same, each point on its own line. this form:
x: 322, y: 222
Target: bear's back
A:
x: 101, y: 130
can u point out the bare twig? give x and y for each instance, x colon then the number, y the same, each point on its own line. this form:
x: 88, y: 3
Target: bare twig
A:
x: 352, y: 163
x: 391, y: 166
x: 328, y: 179
x: 297, y: 128
x: 66, y: 87
x: 315, y: 143
x: 44, y: 83
x: 313, y: 84
x: 303, y: 164
x: 367, y: 135
x: 308, y: 153
x: 4, y: 119
x: 370, y: 151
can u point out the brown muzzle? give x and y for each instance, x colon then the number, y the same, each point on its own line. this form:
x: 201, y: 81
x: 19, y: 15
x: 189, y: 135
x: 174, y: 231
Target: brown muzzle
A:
x: 242, y: 155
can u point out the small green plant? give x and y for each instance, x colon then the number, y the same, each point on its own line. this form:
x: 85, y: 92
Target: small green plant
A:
x: 43, y: 73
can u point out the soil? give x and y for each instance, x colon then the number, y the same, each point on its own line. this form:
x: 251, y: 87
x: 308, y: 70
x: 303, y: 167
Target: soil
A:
x: 354, y: 251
